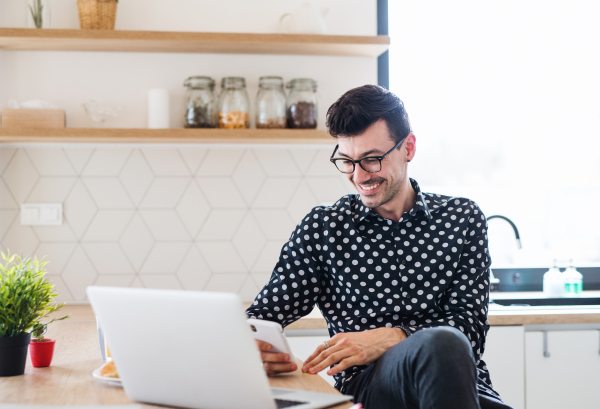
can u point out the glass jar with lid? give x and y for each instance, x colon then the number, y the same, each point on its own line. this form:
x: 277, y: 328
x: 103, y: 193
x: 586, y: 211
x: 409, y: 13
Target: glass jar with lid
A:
x: 234, y: 104
x: 302, y: 104
x: 201, y: 103
x: 270, y: 103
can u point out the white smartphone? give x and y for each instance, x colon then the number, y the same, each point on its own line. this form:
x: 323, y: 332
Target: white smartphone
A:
x: 272, y: 333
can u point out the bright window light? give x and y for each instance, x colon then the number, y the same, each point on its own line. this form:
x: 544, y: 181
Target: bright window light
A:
x: 504, y: 98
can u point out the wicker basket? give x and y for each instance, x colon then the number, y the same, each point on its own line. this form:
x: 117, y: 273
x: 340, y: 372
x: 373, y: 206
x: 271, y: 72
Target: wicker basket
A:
x: 97, y: 14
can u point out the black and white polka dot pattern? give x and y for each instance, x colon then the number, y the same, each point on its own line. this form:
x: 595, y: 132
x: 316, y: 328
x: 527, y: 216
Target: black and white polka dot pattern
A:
x: 363, y: 271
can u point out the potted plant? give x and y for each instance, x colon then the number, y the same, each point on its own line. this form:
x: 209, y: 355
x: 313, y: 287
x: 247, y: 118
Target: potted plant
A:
x: 41, y: 350
x: 97, y: 14
x: 36, y: 10
x: 25, y: 299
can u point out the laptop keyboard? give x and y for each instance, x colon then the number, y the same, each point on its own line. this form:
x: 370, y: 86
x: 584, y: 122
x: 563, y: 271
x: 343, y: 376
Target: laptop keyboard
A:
x: 283, y: 403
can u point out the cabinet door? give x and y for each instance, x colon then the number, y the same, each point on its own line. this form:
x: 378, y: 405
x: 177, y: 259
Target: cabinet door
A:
x: 569, y: 377
x: 505, y: 358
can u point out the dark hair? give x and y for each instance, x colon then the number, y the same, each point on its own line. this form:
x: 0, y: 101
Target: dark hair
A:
x: 361, y: 107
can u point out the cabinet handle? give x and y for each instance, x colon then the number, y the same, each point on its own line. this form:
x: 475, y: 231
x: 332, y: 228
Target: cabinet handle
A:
x: 546, y: 353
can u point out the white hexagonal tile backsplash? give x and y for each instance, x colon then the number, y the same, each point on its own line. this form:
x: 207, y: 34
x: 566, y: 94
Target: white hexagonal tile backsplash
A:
x: 189, y: 217
x: 136, y: 176
x: 79, y: 209
x: 166, y: 162
x: 51, y: 189
x: 20, y: 176
x: 51, y: 162
x: 6, y: 199
x: 164, y: 192
x: 249, y: 176
x: 106, y: 162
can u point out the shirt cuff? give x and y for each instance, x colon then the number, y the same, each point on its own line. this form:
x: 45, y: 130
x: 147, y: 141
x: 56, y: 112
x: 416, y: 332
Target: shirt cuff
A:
x: 405, y: 329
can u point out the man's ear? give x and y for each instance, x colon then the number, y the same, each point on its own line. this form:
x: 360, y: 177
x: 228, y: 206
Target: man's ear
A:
x: 410, y: 146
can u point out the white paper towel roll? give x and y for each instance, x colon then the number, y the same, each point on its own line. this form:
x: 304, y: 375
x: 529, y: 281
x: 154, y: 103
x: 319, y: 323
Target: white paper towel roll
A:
x: 158, y: 108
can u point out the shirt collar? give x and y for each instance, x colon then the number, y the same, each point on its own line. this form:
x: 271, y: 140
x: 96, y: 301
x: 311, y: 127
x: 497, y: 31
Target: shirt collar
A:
x: 420, y: 202
x: 360, y: 211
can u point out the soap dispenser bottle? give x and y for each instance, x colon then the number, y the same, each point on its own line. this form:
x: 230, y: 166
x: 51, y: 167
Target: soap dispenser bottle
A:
x: 573, y: 281
x: 553, y: 283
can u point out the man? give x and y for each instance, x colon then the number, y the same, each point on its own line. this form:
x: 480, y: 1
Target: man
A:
x: 400, y: 276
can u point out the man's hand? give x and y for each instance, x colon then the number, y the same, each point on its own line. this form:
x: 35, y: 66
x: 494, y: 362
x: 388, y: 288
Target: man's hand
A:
x: 353, y: 348
x: 274, y: 362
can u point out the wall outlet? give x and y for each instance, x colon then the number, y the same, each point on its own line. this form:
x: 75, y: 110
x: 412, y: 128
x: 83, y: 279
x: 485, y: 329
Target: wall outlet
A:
x: 41, y: 214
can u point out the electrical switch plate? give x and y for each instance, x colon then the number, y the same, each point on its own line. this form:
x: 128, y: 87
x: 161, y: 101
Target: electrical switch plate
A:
x: 41, y: 214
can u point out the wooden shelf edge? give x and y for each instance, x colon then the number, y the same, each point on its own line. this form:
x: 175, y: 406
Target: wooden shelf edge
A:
x: 544, y: 319
x: 130, y: 135
x: 191, y: 42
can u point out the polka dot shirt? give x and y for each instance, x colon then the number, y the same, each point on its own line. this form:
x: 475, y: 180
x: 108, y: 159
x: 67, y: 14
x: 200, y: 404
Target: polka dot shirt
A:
x: 363, y: 271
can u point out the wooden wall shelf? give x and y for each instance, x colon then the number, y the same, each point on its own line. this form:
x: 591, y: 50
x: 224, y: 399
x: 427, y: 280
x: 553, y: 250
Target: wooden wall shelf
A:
x: 190, y: 42
x: 127, y: 135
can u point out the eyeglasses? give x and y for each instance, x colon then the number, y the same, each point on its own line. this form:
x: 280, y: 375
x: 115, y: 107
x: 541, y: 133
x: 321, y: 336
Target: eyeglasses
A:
x: 371, y: 164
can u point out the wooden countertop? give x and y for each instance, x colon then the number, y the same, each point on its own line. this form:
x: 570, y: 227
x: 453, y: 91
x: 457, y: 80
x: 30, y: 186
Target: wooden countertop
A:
x: 502, y: 316
x: 497, y: 316
x: 69, y: 381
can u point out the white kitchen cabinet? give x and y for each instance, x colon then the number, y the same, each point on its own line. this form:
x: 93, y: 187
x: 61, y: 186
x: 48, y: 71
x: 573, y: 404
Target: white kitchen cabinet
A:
x: 570, y: 376
x: 505, y: 358
x: 504, y: 355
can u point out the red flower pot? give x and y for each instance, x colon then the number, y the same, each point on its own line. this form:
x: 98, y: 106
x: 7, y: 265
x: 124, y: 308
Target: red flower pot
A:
x: 41, y: 352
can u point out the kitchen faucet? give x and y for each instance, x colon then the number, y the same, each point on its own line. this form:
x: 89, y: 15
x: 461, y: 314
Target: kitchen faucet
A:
x: 495, y: 282
x: 497, y: 216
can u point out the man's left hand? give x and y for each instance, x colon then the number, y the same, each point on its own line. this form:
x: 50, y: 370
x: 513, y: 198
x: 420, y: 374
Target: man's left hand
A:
x: 351, y: 349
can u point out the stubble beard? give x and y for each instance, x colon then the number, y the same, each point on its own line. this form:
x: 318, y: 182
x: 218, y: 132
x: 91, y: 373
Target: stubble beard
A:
x: 390, y: 193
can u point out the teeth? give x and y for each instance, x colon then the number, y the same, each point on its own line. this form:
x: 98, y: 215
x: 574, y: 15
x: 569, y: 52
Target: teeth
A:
x: 370, y: 187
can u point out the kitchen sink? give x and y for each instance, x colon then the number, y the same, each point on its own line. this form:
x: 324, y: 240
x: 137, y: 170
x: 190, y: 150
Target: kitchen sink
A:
x: 521, y: 302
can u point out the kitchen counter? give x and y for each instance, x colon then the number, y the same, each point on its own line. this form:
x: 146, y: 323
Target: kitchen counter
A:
x: 500, y: 316
x: 497, y: 295
x: 69, y: 381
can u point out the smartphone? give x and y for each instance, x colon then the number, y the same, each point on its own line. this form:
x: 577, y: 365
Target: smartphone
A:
x: 272, y: 333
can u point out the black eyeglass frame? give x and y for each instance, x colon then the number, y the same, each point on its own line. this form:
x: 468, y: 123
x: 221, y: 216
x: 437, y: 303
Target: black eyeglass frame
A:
x: 354, y: 162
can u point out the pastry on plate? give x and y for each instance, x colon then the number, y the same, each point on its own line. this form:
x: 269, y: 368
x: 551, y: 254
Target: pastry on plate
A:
x: 109, y: 370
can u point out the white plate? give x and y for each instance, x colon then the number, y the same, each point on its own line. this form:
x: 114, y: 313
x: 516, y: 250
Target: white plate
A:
x: 110, y: 381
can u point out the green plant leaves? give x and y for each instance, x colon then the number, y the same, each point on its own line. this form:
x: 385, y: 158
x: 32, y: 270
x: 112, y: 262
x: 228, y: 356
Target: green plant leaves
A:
x: 25, y: 296
x: 36, y: 12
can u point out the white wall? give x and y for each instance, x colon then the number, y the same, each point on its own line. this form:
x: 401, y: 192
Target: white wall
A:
x: 229, y: 208
x: 69, y: 79
x: 344, y: 17
x: 504, y: 99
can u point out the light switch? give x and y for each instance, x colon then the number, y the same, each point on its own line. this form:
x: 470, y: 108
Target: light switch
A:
x: 31, y: 214
x: 41, y: 214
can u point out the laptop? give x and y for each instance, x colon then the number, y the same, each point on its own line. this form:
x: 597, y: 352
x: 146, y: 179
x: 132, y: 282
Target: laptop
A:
x: 190, y: 349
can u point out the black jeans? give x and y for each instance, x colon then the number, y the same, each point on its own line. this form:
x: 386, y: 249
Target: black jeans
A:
x: 431, y: 369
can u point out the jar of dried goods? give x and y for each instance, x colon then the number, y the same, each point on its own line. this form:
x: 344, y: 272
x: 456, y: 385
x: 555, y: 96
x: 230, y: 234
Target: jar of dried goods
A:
x: 234, y: 104
x: 302, y: 103
x: 270, y: 103
x: 201, y: 103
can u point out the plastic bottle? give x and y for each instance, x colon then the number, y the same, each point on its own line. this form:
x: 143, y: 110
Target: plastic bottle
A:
x: 553, y: 283
x: 573, y: 282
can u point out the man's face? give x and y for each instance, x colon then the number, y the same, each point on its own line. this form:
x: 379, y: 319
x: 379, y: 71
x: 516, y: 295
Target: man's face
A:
x: 376, y: 189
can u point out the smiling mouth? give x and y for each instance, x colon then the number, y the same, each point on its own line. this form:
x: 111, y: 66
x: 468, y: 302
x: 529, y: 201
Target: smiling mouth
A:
x: 370, y: 187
